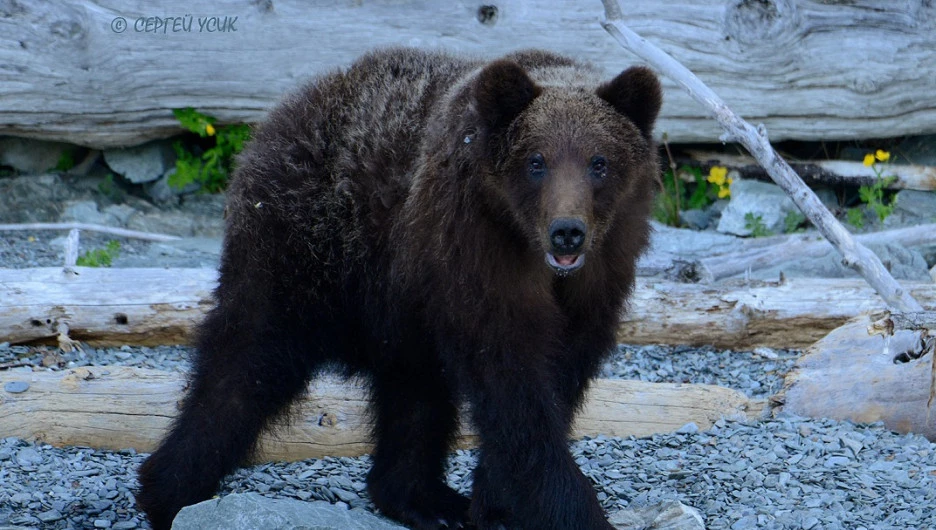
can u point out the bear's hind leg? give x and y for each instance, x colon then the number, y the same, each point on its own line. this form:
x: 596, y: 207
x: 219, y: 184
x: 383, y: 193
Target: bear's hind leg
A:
x: 416, y: 418
x: 241, y: 380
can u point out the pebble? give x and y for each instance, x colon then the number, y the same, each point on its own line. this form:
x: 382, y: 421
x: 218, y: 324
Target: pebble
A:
x: 28, y: 456
x: 16, y: 387
x: 778, y: 473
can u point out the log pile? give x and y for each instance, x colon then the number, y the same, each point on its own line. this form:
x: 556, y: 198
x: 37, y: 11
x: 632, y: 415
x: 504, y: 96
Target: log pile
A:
x: 162, y: 306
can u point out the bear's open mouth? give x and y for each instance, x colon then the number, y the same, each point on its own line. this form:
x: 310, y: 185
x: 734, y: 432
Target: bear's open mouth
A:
x: 565, y: 264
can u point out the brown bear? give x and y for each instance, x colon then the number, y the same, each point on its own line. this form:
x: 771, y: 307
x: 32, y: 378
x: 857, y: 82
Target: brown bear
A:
x: 451, y: 231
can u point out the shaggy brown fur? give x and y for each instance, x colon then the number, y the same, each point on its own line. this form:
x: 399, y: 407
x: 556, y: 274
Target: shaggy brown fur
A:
x: 451, y: 230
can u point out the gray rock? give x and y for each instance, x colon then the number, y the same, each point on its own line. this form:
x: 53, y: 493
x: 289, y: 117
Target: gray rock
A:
x: 49, y: 516
x: 695, y: 219
x: 143, y: 163
x: 912, y: 207
x: 87, y: 212
x: 164, y: 194
x: 121, y: 212
x: 44, y: 195
x: 932, y: 273
x: 28, y: 457
x: 31, y: 156
x: 759, y: 198
x: 16, y: 387
x: 669, y: 515
x: 248, y: 511
x: 178, y: 223
x: 828, y: 197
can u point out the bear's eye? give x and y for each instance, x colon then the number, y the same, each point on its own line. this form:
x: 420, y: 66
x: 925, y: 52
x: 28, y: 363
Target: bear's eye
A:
x: 598, y: 167
x: 537, y: 166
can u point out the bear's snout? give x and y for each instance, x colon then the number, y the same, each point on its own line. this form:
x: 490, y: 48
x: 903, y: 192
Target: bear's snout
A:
x: 567, y: 235
x: 567, y: 239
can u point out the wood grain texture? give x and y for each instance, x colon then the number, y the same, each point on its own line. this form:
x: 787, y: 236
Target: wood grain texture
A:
x: 807, y: 69
x: 114, y: 407
x: 162, y: 306
x: 851, y: 375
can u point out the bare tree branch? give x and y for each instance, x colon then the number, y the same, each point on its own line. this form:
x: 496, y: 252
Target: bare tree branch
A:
x: 755, y: 140
x: 122, y: 232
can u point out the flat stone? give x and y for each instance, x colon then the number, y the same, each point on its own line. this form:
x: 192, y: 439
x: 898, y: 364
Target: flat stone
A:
x: 668, y: 515
x: 143, y: 163
x: 768, y: 201
x: 31, y: 156
x: 28, y: 456
x: 248, y: 511
x: 16, y: 387
x: 49, y: 516
x: 695, y: 219
x: 912, y: 207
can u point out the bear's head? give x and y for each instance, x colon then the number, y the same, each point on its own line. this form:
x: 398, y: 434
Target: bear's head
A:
x: 570, y: 162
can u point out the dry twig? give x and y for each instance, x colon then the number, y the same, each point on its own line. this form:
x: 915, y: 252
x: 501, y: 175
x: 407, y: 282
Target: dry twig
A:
x: 122, y: 232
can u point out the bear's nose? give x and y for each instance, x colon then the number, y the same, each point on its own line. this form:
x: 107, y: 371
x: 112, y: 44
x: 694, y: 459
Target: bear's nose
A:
x: 567, y: 234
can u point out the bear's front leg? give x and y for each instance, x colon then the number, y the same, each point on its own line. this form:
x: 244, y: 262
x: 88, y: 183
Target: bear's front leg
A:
x: 526, y: 477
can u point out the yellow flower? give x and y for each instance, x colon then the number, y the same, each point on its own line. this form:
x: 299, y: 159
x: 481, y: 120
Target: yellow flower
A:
x: 717, y: 175
x: 882, y: 156
x: 210, y: 129
x: 724, y: 192
x: 869, y: 159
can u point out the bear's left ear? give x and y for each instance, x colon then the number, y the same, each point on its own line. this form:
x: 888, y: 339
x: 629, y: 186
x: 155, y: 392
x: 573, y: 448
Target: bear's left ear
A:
x: 501, y: 91
x: 635, y: 93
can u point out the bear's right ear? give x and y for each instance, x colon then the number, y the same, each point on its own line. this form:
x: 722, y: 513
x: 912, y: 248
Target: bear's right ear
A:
x: 635, y: 93
x: 501, y: 91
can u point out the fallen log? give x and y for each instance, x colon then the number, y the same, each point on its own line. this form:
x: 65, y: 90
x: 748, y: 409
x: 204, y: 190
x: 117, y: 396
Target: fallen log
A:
x: 162, y: 306
x: 828, y: 172
x: 780, y: 63
x: 104, y: 306
x: 113, y: 407
x: 851, y: 375
x: 769, y: 252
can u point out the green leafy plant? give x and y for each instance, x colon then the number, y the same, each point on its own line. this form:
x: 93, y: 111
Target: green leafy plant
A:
x: 101, y: 257
x: 682, y: 189
x: 855, y: 217
x: 66, y: 161
x: 793, y: 221
x: 209, y: 166
x: 755, y: 223
x: 874, y: 196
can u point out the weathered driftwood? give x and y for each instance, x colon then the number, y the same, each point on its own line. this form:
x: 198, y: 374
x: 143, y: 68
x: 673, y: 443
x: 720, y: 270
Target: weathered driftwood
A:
x: 850, y: 375
x: 120, y: 407
x: 161, y: 306
x: 770, y: 252
x: 890, y: 323
x: 111, y: 306
x: 755, y: 141
x: 791, y: 314
x: 106, y: 73
x: 90, y: 227
x: 830, y: 172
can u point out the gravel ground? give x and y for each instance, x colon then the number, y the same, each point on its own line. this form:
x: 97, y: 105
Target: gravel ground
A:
x: 775, y: 474
x: 785, y: 473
